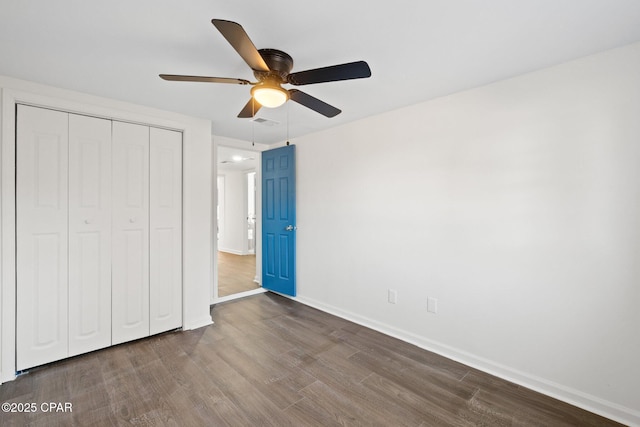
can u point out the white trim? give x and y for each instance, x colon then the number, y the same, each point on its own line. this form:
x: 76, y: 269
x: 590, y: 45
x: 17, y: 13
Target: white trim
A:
x: 258, y: 149
x: 233, y: 251
x: 7, y: 227
x: 239, y: 295
x: 198, y: 323
x: 574, y: 397
x: 213, y: 293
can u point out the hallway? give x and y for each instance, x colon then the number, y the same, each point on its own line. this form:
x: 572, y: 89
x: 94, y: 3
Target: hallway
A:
x: 236, y: 273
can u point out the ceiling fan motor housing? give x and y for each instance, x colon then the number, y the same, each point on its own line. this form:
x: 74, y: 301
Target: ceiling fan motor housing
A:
x: 279, y: 63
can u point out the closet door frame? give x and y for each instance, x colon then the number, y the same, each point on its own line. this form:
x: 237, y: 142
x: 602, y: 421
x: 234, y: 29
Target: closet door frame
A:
x: 195, y: 310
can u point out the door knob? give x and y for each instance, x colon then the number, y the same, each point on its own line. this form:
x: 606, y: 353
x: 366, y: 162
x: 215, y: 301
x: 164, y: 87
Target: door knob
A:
x: 132, y: 220
x: 291, y: 228
x: 87, y: 221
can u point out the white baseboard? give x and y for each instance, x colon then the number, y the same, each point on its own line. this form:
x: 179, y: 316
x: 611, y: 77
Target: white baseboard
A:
x: 200, y: 323
x: 232, y: 251
x: 4, y: 379
x: 574, y: 397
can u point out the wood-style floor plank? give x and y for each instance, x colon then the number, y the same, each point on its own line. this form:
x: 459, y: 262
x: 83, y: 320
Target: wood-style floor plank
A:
x: 236, y: 273
x: 270, y: 361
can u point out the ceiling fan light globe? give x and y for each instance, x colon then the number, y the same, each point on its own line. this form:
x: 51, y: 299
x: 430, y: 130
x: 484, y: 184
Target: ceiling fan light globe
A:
x: 270, y: 96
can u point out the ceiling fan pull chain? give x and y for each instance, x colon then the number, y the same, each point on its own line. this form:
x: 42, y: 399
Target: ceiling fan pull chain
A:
x: 288, y: 108
x: 253, y: 125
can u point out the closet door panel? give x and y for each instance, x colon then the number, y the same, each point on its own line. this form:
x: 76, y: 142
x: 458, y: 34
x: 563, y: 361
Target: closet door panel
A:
x: 89, y: 234
x: 165, y: 226
x: 41, y: 236
x: 130, y: 232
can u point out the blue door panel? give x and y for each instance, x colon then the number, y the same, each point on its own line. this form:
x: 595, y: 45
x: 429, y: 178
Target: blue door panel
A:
x: 278, y: 220
x: 284, y: 257
x: 284, y: 162
x: 269, y: 198
x: 270, y: 247
x: 284, y: 199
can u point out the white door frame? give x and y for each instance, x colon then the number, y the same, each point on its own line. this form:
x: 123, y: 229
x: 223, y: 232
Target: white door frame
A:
x: 258, y: 149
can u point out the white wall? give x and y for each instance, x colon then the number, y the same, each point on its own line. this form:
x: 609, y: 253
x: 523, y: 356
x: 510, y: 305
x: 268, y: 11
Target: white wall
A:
x: 234, y: 237
x: 516, y: 205
x: 197, y: 197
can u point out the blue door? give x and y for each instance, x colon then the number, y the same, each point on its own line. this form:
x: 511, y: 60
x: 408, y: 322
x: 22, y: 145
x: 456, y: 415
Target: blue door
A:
x: 279, y: 220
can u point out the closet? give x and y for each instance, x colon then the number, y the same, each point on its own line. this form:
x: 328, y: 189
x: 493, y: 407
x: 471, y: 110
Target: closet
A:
x: 98, y: 233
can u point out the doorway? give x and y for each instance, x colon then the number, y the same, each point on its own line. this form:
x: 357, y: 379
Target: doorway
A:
x: 237, y: 222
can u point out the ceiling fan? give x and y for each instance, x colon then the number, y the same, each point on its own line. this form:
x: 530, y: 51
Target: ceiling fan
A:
x: 272, y: 69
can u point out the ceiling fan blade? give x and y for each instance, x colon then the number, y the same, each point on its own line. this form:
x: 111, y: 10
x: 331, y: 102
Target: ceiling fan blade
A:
x: 314, y: 103
x: 334, y: 73
x: 250, y: 109
x: 238, y: 38
x: 181, y: 78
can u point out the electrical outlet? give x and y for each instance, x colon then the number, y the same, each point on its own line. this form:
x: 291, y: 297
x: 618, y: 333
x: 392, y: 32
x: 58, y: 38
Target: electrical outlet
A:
x: 432, y: 305
x: 393, y: 296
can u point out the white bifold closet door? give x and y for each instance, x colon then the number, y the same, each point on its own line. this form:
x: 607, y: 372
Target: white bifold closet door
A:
x: 89, y: 234
x: 130, y: 285
x: 41, y: 231
x: 63, y: 219
x: 98, y: 233
x: 165, y: 228
x: 147, y: 231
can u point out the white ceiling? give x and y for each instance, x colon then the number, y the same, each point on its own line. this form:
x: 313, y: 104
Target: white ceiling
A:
x: 235, y: 159
x: 417, y: 50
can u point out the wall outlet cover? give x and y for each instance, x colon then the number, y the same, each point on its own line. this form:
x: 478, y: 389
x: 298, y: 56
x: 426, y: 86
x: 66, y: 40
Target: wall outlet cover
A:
x: 393, y: 296
x: 432, y: 305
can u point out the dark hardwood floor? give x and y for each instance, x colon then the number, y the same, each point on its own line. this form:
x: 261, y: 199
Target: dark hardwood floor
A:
x: 269, y: 361
x: 236, y: 273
